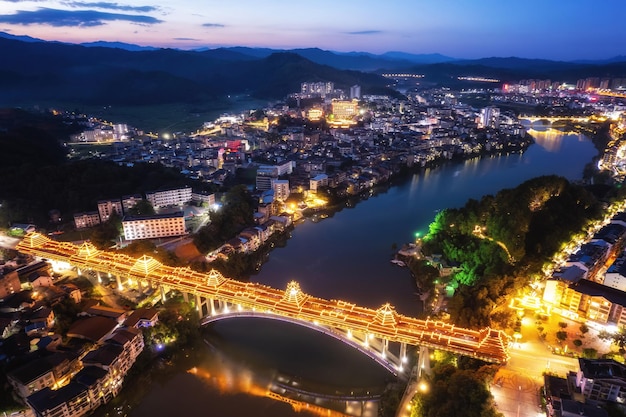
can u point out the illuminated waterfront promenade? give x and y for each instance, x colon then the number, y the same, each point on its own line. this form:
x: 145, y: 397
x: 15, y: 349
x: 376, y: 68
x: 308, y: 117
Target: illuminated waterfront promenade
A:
x: 209, y: 289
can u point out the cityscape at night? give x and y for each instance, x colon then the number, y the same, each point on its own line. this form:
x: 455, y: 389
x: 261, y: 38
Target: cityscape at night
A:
x: 352, y: 209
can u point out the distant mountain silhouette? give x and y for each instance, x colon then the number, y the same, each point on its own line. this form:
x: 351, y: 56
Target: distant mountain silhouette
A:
x: 119, y: 45
x: 109, y: 73
x: 104, y: 75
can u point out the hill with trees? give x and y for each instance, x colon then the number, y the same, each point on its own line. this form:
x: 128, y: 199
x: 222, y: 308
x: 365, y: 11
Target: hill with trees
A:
x: 35, y: 176
x: 500, y: 241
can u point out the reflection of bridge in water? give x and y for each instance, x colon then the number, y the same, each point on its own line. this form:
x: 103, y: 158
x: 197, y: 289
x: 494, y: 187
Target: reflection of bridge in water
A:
x: 370, y: 331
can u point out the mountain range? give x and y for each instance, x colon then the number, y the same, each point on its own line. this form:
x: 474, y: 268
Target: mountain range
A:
x: 120, y: 73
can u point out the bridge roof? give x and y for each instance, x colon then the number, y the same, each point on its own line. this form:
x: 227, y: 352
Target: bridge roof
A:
x: 487, y: 344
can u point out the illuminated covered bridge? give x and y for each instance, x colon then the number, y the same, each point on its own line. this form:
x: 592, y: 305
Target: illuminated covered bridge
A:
x: 217, y: 297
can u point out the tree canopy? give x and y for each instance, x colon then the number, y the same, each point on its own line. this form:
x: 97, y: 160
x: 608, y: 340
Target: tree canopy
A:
x: 500, y: 240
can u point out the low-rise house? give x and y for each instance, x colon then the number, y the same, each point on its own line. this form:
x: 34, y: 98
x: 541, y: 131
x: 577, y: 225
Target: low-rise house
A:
x: 109, y: 312
x: 142, y: 317
x: 94, y: 329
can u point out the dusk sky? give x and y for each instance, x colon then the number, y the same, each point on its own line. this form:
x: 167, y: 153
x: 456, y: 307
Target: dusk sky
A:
x: 551, y: 29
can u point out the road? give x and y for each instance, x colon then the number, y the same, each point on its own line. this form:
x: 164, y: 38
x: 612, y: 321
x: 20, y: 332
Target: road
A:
x: 516, y: 385
x: 8, y: 242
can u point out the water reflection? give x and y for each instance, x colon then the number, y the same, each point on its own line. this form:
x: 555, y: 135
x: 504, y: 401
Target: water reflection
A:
x: 552, y: 139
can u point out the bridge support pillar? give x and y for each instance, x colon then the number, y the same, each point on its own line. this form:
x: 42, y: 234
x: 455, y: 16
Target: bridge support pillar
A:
x: 385, y: 347
x: 199, y: 306
x: 163, y: 297
x: 78, y: 271
x: 403, y: 358
x: 423, y: 364
x: 99, y: 277
x: 186, y: 297
x: 119, y: 283
x: 211, y: 306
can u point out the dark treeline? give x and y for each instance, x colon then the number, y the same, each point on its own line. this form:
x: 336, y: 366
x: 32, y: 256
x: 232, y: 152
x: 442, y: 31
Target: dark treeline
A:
x: 501, y: 241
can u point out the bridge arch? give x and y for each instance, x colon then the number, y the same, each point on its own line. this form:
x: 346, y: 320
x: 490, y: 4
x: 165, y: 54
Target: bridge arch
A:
x: 387, y: 360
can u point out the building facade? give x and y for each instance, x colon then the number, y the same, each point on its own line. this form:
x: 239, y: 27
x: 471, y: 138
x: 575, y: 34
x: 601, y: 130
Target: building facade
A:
x: 87, y: 219
x: 107, y: 207
x: 173, y: 197
x: 152, y: 227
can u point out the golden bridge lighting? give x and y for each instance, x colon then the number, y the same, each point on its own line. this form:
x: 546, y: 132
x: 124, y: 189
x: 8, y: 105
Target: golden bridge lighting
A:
x: 385, y: 323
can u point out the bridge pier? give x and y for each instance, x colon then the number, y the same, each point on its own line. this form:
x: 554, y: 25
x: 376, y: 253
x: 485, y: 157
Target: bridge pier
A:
x: 120, y: 287
x: 423, y: 362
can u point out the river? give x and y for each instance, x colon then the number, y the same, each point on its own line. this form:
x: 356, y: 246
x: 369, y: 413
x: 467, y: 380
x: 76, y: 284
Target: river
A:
x: 346, y: 256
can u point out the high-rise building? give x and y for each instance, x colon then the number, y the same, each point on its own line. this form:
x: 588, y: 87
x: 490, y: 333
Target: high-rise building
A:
x: 355, y: 92
x: 317, y: 88
x: 490, y: 117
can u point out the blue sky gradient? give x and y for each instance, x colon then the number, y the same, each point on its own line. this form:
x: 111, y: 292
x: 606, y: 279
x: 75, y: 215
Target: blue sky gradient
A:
x: 548, y: 29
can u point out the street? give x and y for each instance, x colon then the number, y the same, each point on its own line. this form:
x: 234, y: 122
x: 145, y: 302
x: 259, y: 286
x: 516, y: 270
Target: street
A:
x: 516, y: 385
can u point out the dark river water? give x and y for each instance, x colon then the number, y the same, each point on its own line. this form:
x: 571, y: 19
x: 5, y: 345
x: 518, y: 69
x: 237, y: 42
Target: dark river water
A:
x: 346, y: 256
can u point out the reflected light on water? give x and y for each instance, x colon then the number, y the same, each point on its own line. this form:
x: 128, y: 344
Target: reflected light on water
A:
x: 236, y: 380
x: 550, y: 139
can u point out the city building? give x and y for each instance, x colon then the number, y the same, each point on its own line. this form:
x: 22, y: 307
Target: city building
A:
x: 615, y: 276
x: 171, y: 197
x: 266, y: 174
x: 490, y: 117
x: 602, y: 380
x: 130, y: 201
x: 45, y: 372
x: 155, y: 226
x: 355, y: 92
x: 320, y: 180
x: 204, y: 198
x: 281, y: 189
x: 86, y: 219
x: 587, y: 300
x: 321, y: 89
x: 314, y: 113
x: 9, y: 283
x: 345, y: 110
x: 107, y: 207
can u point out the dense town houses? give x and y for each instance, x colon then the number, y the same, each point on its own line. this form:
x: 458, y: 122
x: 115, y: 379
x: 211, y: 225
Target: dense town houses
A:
x: 71, y: 373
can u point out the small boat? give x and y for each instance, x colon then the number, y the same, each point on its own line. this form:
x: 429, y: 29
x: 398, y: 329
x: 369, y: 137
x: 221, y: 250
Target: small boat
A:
x: 398, y: 262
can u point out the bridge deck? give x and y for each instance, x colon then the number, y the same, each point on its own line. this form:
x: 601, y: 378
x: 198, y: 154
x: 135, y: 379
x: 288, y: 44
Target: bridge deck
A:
x: 487, y: 344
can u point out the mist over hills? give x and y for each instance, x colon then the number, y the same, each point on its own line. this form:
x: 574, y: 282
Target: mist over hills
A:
x: 120, y: 73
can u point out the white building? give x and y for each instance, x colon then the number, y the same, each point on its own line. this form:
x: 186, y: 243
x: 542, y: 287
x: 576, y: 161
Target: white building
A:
x: 203, y: 198
x: 490, y: 117
x: 615, y: 276
x: 355, y: 92
x: 152, y: 227
x: 281, y: 189
x: 320, y: 180
x: 173, y: 197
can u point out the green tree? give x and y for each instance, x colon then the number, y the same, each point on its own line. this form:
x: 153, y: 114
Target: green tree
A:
x: 142, y: 208
x: 457, y: 392
x: 584, y: 329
